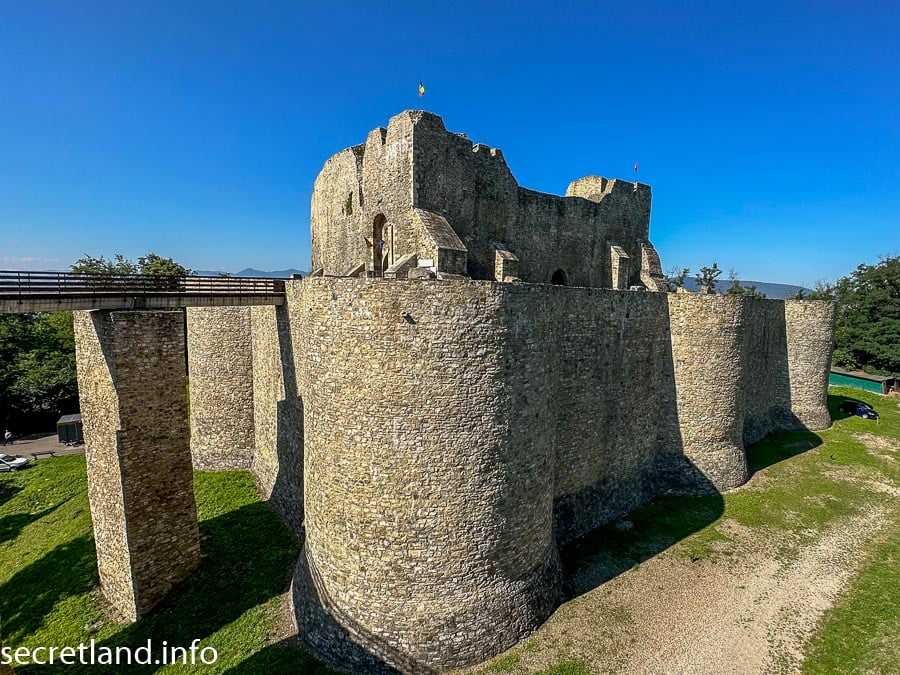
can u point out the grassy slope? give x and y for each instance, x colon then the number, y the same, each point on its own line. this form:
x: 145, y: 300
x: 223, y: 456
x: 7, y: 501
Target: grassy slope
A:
x: 48, y: 572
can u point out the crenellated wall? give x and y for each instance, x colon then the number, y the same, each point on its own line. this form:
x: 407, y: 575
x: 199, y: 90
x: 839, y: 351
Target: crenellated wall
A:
x: 435, y: 411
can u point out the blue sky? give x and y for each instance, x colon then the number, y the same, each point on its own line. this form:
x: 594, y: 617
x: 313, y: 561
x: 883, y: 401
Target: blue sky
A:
x: 770, y: 132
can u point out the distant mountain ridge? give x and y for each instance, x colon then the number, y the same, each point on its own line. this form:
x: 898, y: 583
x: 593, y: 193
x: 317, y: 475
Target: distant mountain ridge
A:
x: 250, y: 272
x: 771, y: 290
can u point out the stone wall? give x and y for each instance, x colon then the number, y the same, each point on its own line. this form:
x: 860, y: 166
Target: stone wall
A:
x: 609, y: 355
x: 220, y: 366
x: 416, y: 164
x: 131, y: 374
x: 435, y: 411
x: 278, y: 414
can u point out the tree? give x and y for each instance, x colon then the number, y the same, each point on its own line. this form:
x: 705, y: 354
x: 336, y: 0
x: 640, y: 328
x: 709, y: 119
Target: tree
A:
x: 675, y: 278
x: 37, y: 351
x: 147, y: 264
x: 37, y: 369
x: 737, y: 289
x: 867, y: 331
x: 90, y: 265
x: 707, y: 278
x: 157, y: 265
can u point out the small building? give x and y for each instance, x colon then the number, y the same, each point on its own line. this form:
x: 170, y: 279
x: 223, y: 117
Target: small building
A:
x: 69, y: 429
x: 860, y: 380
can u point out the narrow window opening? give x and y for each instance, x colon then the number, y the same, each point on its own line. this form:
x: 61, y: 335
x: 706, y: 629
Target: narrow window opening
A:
x: 559, y: 278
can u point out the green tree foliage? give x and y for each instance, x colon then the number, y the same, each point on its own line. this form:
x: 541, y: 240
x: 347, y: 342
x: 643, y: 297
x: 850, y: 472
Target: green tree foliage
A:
x: 675, y: 278
x: 157, y: 265
x: 91, y: 265
x: 37, y: 370
x: 867, y: 334
x: 147, y: 264
x: 708, y: 277
x: 737, y: 289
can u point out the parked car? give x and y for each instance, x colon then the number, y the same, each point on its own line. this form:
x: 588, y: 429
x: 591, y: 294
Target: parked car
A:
x: 859, y: 409
x: 11, y: 463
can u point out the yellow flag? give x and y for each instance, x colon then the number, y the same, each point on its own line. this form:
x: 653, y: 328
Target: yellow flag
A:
x: 421, y: 89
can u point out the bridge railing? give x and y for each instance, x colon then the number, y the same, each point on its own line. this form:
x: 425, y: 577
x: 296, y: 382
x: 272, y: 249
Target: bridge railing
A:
x: 15, y: 283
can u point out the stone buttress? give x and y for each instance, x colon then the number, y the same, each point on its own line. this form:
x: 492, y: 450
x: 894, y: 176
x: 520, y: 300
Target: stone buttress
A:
x: 131, y: 376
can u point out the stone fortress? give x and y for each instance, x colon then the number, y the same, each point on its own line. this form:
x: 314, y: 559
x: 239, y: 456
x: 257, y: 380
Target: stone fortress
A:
x: 473, y: 375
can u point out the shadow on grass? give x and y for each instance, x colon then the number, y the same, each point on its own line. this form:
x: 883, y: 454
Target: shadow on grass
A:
x: 30, y: 594
x: 7, y: 492
x: 248, y: 557
x: 779, y: 446
x: 642, y: 534
x: 664, y: 521
x: 280, y: 659
x: 11, y: 526
x: 834, y: 406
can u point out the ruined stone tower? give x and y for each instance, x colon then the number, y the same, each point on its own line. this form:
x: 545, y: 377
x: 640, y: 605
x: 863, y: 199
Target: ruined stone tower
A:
x: 415, y: 195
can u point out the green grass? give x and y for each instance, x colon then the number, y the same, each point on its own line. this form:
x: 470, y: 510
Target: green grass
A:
x: 48, y: 574
x: 862, y: 633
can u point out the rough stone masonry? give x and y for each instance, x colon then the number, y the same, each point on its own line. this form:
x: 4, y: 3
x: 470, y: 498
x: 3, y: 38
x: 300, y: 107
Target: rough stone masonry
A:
x: 473, y: 375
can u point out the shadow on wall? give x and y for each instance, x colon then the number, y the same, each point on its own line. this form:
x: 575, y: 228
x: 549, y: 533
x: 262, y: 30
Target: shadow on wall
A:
x: 323, y: 626
x: 644, y: 533
x: 284, y: 490
x: 728, y: 391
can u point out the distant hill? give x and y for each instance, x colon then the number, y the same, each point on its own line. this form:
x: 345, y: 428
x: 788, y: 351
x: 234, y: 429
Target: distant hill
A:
x: 773, y: 291
x: 250, y: 272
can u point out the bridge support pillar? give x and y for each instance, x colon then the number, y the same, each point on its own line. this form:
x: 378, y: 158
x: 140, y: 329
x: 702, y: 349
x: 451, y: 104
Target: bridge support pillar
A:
x: 131, y: 381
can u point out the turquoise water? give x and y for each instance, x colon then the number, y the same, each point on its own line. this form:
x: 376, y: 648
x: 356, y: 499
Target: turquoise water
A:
x: 858, y: 383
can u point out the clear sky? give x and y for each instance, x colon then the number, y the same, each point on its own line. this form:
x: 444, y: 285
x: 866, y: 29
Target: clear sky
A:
x: 770, y: 132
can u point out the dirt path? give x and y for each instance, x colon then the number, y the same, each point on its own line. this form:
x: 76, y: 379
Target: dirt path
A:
x: 749, y: 620
x: 749, y: 614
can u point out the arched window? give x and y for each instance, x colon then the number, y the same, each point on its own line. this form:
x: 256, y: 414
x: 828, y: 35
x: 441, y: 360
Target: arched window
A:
x: 560, y: 278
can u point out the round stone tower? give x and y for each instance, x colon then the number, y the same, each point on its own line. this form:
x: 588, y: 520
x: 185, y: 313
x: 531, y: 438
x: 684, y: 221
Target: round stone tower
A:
x: 810, y: 341
x: 708, y: 357
x: 428, y: 471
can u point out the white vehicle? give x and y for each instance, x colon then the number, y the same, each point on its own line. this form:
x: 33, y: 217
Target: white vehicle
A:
x: 10, y: 463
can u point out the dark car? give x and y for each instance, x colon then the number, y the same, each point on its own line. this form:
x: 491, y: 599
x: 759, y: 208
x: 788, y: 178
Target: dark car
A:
x: 859, y: 409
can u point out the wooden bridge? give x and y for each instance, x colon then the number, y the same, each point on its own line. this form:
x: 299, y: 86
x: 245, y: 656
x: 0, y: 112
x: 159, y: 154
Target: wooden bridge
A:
x: 22, y: 291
